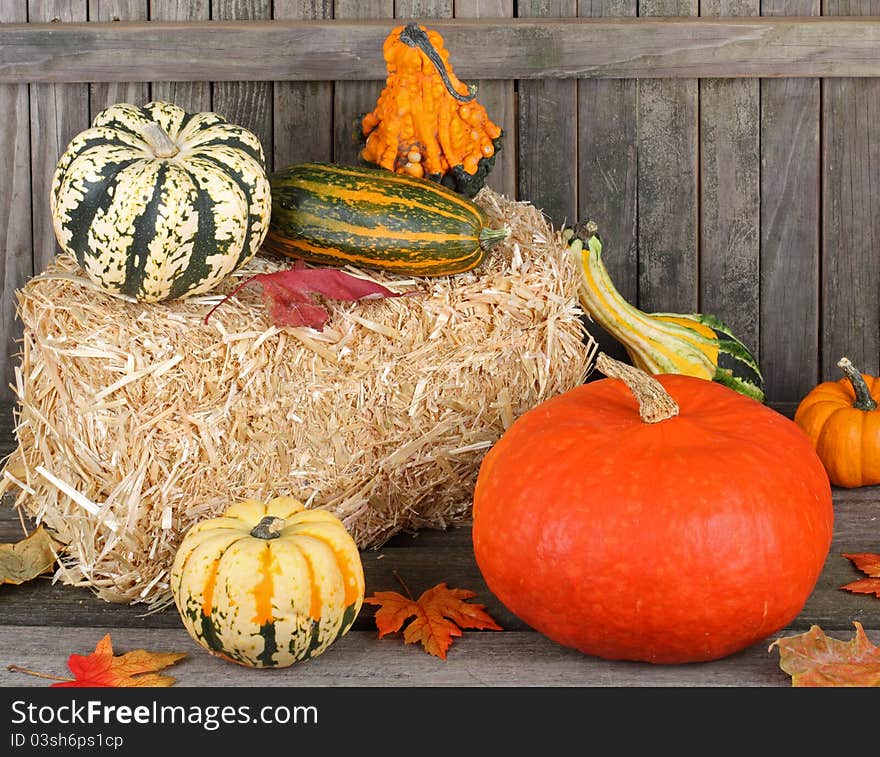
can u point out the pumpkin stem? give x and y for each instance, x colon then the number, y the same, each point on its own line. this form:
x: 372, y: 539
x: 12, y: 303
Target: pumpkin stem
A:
x: 655, y: 404
x: 268, y: 528
x: 160, y: 143
x: 864, y: 400
x: 414, y: 36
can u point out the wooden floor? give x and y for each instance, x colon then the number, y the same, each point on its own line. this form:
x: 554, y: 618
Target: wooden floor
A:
x: 41, y: 623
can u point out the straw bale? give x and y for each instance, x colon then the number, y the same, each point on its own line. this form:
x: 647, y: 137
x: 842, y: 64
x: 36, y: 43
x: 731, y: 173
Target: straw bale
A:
x: 135, y: 420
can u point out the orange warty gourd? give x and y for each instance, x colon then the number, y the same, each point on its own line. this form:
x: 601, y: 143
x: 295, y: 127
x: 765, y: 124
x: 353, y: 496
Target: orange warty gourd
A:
x: 426, y: 122
x: 681, y: 526
x: 843, y: 422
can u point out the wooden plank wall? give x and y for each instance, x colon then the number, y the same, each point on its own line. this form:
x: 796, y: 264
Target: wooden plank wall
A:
x: 757, y: 200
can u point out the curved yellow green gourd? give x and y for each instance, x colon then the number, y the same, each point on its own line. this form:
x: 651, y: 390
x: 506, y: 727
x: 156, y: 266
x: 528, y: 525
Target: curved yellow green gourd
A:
x: 694, y: 344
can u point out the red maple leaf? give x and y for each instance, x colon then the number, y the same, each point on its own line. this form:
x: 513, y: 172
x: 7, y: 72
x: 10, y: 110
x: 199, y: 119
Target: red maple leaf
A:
x: 288, y: 294
x: 439, y: 615
x: 868, y: 563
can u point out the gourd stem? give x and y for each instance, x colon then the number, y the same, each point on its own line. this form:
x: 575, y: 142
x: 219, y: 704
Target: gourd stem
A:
x: 491, y: 237
x: 655, y: 404
x: 864, y: 400
x: 269, y: 527
x: 159, y: 141
x: 414, y: 36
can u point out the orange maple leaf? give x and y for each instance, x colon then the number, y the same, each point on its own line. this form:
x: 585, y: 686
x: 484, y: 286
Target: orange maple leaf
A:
x: 440, y: 614
x: 814, y: 659
x: 868, y: 563
x: 102, y: 669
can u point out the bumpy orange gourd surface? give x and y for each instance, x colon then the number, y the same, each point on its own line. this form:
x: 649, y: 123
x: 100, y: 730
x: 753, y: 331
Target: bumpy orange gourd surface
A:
x: 426, y: 122
x: 678, y: 541
x: 843, y: 421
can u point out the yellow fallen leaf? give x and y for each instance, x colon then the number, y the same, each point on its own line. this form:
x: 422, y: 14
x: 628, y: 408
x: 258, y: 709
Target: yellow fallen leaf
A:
x: 815, y: 659
x: 26, y: 559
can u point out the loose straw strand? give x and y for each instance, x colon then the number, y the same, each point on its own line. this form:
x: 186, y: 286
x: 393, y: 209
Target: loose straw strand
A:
x: 655, y: 404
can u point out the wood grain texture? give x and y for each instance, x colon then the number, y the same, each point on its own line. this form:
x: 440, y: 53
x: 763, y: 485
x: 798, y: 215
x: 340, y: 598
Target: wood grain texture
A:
x: 361, y: 659
x: 422, y: 10
x: 16, y: 263
x: 247, y: 104
x: 730, y: 193
x: 352, y: 99
x: 608, y: 170
x: 498, y: 96
x: 523, y: 48
x: 101, y: 95
x: 548, y: 128
x: 302, y: 111
x: 170, y: 85
x: 850, y: 318
x: 667, y: 183
x: 790, y: 200
x: 58, y: 113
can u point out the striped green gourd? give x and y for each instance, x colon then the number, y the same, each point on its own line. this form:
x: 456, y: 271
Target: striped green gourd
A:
x: 694, y: 344
x: 156, y: 203
x: 372, y: 218
x: 267, y: 584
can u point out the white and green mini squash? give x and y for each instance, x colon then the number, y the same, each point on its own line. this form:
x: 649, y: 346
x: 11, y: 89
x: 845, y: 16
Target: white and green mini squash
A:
x: 160, y: 204
x: 268, y: 584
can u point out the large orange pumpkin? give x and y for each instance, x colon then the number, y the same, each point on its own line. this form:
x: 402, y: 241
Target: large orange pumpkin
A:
x: 843, y: 421
x: 680, y: 527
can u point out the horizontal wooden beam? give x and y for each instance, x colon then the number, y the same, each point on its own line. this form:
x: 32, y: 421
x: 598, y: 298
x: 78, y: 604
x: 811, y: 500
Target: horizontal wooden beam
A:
x: 520, y: 48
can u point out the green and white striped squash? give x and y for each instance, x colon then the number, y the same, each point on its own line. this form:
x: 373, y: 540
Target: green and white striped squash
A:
x: 268, y: 584
x: 158, y: 204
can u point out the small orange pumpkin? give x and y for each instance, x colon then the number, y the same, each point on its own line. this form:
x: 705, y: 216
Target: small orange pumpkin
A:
x: 843, y: 422
x: 426, y: 122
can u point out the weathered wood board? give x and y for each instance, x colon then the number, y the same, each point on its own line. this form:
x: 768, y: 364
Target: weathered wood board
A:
x: 668, y: 177
x: 522, y: 48
x: 352, y: 99
x: 193, y: 96
x: 249, y: 104
x: 302, y: 111
x: 790, y: 226
x: 102, y: 94
x: 851, y: 209
x: 58, y: 112
x: 548, y: 128
x: 16, y: 263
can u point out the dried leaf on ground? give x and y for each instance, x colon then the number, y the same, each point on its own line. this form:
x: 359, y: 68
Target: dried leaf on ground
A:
x: 813, y: 659
x: 102, y: 668
x: 869, y: 564
x: 26, y: 559
x: 288, y: 294
x: 439, y: 615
